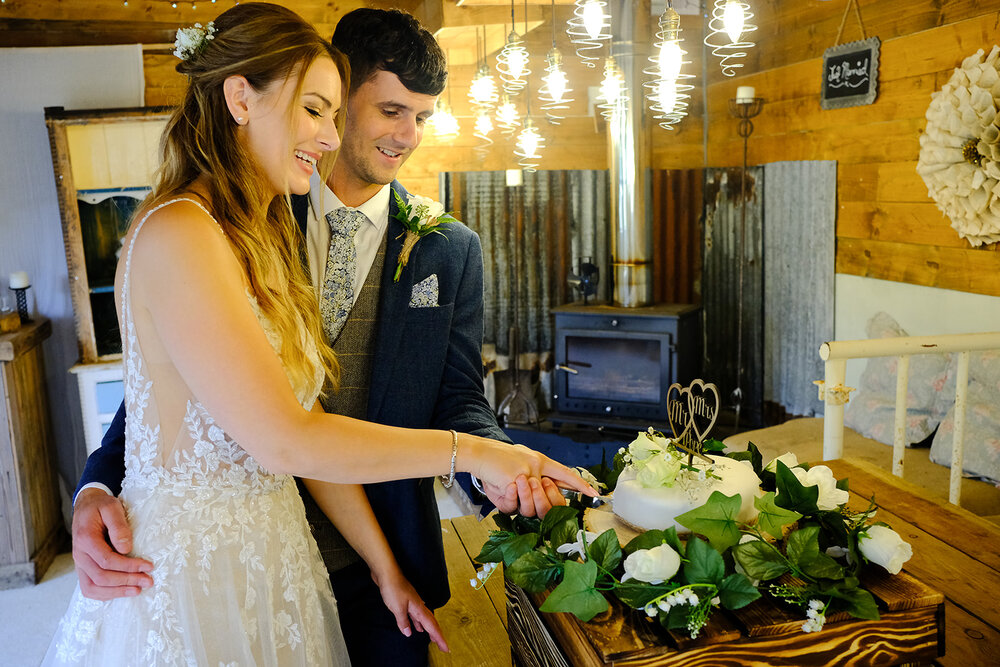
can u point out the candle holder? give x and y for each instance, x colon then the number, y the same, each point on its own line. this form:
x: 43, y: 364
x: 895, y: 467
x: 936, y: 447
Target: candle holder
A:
x: 20, y: 294
x: 742, y: 108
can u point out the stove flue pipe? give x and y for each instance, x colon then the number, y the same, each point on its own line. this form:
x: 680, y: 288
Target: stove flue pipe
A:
x: 629, y: 159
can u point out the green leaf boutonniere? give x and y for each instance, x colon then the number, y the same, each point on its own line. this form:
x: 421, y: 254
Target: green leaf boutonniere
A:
x: 419, y: 216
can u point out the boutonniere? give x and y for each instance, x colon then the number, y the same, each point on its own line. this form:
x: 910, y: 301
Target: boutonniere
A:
x: 419, y: 216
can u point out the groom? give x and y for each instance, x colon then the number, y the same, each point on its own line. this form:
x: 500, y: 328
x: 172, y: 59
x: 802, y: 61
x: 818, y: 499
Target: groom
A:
x: 410, y: 350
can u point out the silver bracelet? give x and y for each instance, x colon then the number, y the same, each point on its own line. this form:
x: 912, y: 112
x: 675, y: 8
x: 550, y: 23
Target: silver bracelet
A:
x: 446, y: 482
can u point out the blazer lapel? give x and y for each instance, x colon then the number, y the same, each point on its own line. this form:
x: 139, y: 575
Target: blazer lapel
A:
x: 393, y: 304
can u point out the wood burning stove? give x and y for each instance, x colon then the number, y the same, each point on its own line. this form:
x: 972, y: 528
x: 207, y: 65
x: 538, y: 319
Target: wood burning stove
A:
x: 615, y: 364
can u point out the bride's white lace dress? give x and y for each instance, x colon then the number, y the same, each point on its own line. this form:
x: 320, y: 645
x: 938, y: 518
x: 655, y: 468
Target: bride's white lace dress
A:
x: 238, y: 579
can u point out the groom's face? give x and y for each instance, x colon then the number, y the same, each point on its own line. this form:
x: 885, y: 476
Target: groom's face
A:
x: 385, y: 123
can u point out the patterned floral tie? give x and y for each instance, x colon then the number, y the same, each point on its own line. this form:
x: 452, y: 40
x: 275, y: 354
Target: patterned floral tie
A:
x: 338, y: 285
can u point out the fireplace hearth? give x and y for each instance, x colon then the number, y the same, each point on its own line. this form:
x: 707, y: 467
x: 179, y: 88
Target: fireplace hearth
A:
x: 614, y: 365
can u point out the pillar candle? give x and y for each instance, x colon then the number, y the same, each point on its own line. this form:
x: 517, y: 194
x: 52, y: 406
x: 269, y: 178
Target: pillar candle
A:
x: 19, y: 280
x: 745, y: 94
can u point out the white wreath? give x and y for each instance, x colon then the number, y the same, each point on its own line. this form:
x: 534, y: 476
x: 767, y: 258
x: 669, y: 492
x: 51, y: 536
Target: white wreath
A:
x: 960, y: 149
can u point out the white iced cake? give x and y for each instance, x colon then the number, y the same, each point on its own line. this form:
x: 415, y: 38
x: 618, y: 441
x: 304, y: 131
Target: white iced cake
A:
x: 656, y: 485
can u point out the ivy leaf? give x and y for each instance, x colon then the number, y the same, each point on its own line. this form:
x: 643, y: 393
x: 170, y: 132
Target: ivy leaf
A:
x: 492, y: 551
x: 647, y: 540
x: 563, y: 533
x: 716, y: 520
x: 858, y: 602
x: 637, y: 594
x: 676, y: 618
x: 713, y: 445
x: 517, y: 546
x: 504, y: 522
x: 736, y: 591
x: 605, y: 550
x: 704, y: 564
x: 792, y: 495
x: 772, y: 518
x: 526, y: 524
x: 534, y: 571
x: 760, y: 560
x: 804, y: 553
x: 576, y: 594
x: 557, y: 515
x: 843, y: 484
x: 670, y: 537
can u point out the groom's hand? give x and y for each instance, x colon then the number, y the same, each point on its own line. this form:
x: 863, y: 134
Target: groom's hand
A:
x: 525, y: 496
x: 101, y: 538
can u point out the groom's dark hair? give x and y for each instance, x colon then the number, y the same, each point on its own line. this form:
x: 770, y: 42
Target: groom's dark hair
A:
x: 394, y: 41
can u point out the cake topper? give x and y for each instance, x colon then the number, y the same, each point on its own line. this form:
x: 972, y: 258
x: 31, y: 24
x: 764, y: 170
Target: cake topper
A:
x: 691, y: 414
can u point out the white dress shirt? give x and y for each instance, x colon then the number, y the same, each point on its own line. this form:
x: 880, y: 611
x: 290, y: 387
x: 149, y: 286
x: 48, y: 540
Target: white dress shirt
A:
x: 366, y: 241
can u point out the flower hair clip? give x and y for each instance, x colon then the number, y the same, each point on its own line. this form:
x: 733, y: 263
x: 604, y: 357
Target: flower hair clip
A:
x: 191, y: 41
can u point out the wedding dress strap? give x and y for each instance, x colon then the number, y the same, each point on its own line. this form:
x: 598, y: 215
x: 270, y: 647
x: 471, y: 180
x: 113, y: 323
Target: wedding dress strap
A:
x: 135, y: 234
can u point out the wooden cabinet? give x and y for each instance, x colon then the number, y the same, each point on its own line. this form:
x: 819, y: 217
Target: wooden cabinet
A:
x: 31, y: 525
x: 104, y: 162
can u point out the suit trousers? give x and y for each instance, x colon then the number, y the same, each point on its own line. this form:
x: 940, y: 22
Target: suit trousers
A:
x: 369, y: 627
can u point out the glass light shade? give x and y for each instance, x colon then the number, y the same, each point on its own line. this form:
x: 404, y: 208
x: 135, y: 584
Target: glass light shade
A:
x: 483, y: 89
x: 670, y: 60
x: 507, y: 116
x: 611, y: 86
x: 529, y: 141
x: 484, y: 125
x: 557, y: 83
x: 444, y: 123
x: 517, y: 62
x: 593, y: 18
x: 733, y: 19
x: 666, y: 95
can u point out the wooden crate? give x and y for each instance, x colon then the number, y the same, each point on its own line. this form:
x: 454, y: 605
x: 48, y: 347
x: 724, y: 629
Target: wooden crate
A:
x: 766, y: 632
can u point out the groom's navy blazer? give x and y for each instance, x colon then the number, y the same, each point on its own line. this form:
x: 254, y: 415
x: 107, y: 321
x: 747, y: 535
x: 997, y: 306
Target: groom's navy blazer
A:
x: 426, y: 373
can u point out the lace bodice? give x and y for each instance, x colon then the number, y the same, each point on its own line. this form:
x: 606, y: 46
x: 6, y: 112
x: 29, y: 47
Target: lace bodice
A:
x: 173, y: 440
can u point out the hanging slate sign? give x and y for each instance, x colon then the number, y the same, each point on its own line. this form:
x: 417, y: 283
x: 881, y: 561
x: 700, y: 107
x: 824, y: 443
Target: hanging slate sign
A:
x: 850, y: 74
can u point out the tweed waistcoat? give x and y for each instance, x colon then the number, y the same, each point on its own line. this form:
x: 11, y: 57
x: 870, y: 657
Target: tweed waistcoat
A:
x: 355, y: 347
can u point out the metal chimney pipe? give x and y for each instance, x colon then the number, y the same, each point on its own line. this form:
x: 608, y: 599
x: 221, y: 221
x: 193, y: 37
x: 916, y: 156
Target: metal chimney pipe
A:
x: 629, y: 159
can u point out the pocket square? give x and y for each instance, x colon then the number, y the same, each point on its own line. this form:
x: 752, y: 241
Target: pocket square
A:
x: 425, y: 293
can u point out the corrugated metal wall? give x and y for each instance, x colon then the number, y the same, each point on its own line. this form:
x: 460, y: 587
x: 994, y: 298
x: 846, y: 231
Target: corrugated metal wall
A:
x: 677, y: 210
x: 723, y: 260
x: 800, y: 203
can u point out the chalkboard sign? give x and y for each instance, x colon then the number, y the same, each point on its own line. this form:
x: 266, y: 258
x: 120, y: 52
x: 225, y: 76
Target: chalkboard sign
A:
x: 850, y: 74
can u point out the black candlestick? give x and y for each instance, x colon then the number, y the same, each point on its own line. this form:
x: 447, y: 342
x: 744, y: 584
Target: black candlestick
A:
x: 20, y: 293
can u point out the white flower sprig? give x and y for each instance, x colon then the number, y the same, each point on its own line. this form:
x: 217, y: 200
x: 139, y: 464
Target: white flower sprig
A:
x: 190, y: 41
x: 483, y: 575
x: 419, y: 216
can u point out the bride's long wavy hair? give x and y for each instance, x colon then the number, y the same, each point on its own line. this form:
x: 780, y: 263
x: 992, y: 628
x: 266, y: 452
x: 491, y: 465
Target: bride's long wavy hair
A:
x: 266, y: 44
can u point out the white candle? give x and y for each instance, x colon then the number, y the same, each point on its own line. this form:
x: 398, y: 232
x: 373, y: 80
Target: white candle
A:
x: 19, y: 279
x: 745, y: 94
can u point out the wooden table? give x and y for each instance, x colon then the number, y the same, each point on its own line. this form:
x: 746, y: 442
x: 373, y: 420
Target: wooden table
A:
x: 955, y: 553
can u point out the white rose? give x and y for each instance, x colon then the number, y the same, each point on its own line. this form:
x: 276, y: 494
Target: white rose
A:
x: 830, y: 497
x: 645, y: 445
x: 654, y: 566
x: 883, y: 546
x: 788, y: 458
x: 660, y: 470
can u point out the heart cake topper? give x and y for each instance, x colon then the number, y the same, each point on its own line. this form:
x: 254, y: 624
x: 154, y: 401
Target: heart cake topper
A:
x: 691, y: 414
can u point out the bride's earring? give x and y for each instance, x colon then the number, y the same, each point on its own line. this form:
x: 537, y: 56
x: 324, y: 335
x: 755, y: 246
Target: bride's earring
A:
x: 239, y: 120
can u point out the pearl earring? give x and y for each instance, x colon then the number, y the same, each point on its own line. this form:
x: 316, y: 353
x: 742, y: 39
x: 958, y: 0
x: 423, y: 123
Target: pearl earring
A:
x: 239, y: 120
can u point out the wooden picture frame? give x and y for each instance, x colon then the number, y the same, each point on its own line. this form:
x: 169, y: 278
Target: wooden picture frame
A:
x: 850, y: 74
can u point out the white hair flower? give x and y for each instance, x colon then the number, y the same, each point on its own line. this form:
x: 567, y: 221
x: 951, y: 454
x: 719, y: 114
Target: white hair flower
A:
x: 190, y: 41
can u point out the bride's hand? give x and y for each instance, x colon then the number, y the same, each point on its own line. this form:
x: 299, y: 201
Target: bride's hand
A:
x: 405, y: 604
x: 499, y: 464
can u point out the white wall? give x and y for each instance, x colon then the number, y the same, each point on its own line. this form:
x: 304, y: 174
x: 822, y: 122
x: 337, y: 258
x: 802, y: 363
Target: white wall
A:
x: 919, y: 310
x: 30, y: 227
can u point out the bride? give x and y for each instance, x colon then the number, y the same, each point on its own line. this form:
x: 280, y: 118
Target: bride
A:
x: 224, y: 360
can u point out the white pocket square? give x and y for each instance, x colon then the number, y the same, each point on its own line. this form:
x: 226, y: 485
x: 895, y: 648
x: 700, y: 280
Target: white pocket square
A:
x: 425, y: 293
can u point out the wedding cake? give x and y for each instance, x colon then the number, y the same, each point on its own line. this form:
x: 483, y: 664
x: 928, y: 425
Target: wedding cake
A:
x: 658, y: 484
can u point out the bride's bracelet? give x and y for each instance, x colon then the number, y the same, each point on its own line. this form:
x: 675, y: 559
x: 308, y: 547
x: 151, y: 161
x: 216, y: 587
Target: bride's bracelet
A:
x: 446, y: 482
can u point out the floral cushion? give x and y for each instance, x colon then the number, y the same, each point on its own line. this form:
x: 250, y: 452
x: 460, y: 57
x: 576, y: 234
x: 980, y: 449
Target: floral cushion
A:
x: 982, y: 417
x: 981, y: 456
x: 872, y: 409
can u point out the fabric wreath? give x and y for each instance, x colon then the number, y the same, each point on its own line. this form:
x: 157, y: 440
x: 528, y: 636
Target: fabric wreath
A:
x: 960, y: 149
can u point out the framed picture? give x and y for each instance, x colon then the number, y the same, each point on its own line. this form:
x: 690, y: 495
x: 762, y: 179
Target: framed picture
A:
x: 850, y: 74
